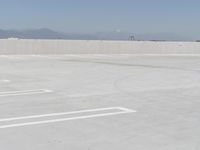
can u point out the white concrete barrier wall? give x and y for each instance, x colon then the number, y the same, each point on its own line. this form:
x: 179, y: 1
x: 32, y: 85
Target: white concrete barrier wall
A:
x: 96, y: 47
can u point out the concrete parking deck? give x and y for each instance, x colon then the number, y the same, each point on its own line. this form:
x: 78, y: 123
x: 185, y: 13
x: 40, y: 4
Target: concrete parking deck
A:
x: 100, y: 102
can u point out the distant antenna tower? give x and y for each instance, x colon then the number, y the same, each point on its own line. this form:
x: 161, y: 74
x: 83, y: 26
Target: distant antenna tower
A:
x: 132, y: 37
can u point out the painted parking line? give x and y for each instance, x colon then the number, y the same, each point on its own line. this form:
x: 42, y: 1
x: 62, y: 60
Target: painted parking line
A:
x: 47, y: 118
x: 10, y: 56
x: 5, y: 81
x: 24, y: 92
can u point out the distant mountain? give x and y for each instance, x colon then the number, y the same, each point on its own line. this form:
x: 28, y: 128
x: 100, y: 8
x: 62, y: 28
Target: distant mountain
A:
x: 45, y: 33
x: 50, y: 34
x: 33, y: 34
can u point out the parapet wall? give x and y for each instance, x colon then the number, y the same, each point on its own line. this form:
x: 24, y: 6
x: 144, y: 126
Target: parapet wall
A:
x: 12, y: 46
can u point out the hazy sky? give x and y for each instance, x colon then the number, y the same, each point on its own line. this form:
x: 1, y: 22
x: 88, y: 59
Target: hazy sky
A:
x: 88, y: 16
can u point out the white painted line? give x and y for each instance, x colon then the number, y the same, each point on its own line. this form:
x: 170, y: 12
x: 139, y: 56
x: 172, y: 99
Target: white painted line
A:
x: 67, y: 113
x: 26, y: 92
x: 122, y: 111
x: 5, y: 81
x: 10, y: 56
x: 125, y: 109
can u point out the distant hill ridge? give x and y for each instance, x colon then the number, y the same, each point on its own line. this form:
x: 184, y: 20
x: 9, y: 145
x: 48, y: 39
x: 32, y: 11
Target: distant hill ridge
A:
x: 45, y: 33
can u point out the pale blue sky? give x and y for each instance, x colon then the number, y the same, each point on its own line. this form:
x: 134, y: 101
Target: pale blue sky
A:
x: 89, y: 16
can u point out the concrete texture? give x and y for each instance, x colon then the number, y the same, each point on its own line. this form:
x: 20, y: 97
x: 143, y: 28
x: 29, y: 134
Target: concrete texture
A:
x: 164, y: 90
x: 13, y: 46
